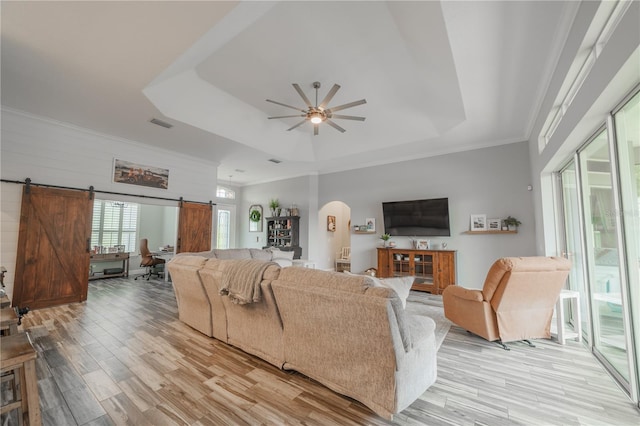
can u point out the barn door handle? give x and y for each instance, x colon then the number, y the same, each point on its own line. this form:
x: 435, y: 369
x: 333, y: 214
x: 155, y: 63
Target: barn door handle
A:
x: 88, y: 245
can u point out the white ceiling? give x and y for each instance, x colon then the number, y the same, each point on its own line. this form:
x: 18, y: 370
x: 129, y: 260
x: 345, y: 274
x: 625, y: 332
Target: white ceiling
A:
x: 438, y: 77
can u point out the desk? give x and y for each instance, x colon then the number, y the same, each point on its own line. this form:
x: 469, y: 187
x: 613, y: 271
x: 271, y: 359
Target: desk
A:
x: 110, y: 257
x: 167, y: 256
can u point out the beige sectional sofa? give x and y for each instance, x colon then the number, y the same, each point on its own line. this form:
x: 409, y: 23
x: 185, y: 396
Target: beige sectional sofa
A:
x: 338, y: 329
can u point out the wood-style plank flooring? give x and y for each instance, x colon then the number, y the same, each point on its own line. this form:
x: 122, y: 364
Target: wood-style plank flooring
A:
x: 123, y: 357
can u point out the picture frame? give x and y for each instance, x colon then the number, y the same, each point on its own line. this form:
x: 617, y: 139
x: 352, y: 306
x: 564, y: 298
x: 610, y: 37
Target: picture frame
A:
x: 371, y: 224
x: 331, y: 223
x: 422, y: 245
x: 494, y: 224
x: 138, y: 174
x: 478, y: 222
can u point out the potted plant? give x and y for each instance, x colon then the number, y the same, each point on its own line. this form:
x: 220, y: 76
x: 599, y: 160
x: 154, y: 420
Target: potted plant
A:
x: 512, y: 223
x: 274, y: 204
x: 385, y: 238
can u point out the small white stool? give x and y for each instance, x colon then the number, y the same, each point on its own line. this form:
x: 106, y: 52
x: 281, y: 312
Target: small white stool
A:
x: 562, y: 333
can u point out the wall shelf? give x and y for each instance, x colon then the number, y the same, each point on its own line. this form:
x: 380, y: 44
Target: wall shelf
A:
x: 364, y: 232
x: 489, y: 232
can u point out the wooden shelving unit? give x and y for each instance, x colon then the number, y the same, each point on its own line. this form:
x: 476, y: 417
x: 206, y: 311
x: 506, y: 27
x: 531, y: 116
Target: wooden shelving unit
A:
x: 283, y: 232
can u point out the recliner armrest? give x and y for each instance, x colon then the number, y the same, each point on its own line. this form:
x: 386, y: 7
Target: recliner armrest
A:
x: 464, y: 293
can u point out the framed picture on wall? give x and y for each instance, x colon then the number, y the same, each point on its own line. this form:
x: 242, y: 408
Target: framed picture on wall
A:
x: 371, y: 224
x: 139, y: 174
x: 493, y: 224
x: 478, y: 222
x: 331, y: 223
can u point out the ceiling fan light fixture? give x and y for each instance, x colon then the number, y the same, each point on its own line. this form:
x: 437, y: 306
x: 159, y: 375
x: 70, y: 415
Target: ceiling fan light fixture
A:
x: 316, y: 118
x: 319, y: 113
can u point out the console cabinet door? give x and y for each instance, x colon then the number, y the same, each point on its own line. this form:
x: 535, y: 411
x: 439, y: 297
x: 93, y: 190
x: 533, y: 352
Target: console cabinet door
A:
x: 446, y: 273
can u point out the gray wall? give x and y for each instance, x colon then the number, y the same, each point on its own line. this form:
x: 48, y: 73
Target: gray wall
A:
x: 491, y: 181
x: 300, y: 191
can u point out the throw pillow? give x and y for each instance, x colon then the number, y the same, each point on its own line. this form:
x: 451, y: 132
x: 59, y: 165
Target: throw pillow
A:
x: 401, y: 285
x: 260, y: 254
x: 282, y: 258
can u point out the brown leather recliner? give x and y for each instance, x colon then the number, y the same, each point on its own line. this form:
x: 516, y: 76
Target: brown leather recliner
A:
x: 516, y: 301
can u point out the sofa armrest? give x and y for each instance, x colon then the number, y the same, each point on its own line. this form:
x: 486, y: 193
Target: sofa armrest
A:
x: 464, y: 293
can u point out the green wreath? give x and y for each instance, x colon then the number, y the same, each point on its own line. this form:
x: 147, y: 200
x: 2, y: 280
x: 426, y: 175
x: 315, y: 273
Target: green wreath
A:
x: 255, y: 216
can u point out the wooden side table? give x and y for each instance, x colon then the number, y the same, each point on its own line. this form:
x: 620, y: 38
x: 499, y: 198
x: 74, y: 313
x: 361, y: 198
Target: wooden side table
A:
x: 5, y: 302
x: 8, y: 321
x: 18, y: 356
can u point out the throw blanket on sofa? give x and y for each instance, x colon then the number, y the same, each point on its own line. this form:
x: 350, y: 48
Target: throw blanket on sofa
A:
x: 241, y: 280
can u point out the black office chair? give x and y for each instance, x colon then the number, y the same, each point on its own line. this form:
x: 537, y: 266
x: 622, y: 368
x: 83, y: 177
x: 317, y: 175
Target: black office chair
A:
x: 149, y: 262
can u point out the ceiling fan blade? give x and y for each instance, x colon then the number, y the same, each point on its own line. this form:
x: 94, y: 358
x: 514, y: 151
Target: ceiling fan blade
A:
x: 334, y: 125
x: 302, y: 95
x: 316, y: 130
x: 329, y: 96
x: 347, y: 117
x: 297, y: 125
x: 345, y: 106
x: 287, y: 116
x: 285, y: 105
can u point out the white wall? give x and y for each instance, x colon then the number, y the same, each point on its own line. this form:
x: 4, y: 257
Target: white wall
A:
x: 491, y: 181
x: 54, y: 153
x: 615, y: 73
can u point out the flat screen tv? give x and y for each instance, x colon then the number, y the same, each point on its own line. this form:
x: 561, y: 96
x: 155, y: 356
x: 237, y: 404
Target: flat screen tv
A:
x: 420, y: 218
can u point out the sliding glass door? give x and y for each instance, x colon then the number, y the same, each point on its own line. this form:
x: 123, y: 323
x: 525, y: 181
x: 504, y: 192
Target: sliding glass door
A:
x: 603, y: 255
x: 627, y: 130
x: 601, y: 209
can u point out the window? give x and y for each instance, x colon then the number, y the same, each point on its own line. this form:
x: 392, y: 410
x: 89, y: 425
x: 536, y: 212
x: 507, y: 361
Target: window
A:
x: 222, y: 192
x: 114, y: 223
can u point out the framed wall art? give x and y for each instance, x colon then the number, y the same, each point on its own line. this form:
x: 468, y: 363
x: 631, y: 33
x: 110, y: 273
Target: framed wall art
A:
x: 331, y: 223
x: 478, y: 222
x: 139, y: 174
x: 494, y: 224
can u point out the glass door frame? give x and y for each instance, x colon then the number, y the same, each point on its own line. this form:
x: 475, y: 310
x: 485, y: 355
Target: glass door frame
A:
x: 630, y: 386
x: 587, y: 329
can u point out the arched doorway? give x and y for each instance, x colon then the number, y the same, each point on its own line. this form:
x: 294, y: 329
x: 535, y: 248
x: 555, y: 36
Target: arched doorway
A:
x: 335, y: 223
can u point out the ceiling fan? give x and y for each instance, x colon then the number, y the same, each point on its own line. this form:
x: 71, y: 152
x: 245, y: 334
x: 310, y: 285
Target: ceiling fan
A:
x: 320, y: 113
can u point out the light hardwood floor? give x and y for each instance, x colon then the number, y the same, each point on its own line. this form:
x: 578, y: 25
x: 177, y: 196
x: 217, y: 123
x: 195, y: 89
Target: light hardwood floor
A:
x: 123, y: 357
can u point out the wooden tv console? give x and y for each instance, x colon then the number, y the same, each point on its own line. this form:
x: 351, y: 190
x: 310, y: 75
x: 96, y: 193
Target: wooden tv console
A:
x: 434, y: 269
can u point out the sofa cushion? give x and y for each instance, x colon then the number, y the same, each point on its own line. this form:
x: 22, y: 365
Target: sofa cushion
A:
x: 327, y: 279
x: 241, y: 253
x: 401, y: 285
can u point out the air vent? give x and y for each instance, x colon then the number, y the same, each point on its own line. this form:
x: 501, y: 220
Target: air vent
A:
x: 161, y: 123
x: 240, y: 170
x: 273, y: 160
